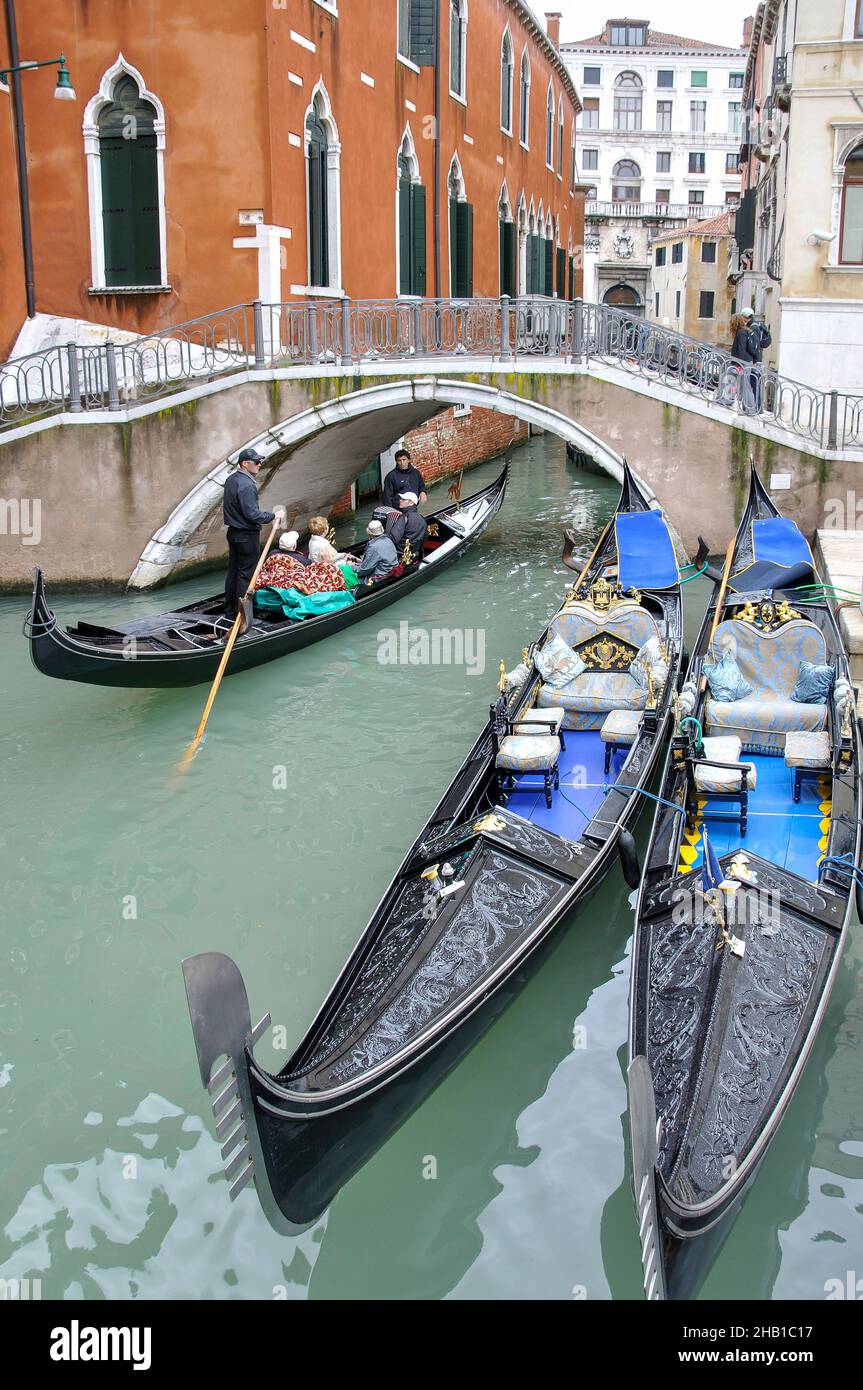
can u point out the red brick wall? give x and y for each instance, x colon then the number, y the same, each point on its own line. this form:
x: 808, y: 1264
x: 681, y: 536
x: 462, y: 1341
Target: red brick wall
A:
x: 442, y: 446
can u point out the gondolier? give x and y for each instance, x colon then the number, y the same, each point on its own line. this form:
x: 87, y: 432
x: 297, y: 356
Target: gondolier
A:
x: 244, y: 519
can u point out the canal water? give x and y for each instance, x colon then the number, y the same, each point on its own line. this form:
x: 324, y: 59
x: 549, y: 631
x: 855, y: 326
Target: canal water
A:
x: 511, y: 1181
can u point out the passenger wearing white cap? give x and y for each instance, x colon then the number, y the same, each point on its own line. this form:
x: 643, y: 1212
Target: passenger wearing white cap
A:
x: 380, y: 556
x: 289, y: 542
x: 415, y: 525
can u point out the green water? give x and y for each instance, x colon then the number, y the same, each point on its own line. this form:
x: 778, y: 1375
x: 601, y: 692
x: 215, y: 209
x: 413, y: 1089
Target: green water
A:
x: 110, y: 1178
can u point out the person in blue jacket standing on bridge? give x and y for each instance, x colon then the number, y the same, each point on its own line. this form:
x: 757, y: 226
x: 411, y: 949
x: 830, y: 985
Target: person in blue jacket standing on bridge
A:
x: 244, y: 519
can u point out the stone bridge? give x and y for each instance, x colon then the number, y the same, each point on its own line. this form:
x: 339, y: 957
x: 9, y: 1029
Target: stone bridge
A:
x: 132, y: 494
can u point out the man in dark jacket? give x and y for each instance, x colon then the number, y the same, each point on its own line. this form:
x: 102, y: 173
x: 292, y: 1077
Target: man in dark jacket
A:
x: 415, y: 525
x: 403, y: 478
x: 244, y: 519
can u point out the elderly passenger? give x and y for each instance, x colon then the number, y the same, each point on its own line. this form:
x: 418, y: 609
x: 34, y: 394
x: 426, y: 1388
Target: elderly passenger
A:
x: 380, y: 557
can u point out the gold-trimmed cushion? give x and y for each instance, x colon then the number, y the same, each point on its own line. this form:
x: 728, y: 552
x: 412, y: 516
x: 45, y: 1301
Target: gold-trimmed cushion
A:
x: 722, y: 779
x: 621, y: 726
x: 544, y: 717
x: 808, y: 750
x: 528, y: 752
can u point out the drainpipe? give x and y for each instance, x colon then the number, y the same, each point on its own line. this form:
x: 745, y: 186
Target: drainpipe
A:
x: 437, y: 110
x: 21, y: 155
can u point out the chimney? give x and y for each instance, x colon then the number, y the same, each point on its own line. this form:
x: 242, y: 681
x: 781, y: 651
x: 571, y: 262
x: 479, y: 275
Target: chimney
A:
x: 747, y: 30
x: 552, y: 27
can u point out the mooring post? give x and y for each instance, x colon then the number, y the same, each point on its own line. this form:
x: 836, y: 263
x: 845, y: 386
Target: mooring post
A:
x: 833, y: 424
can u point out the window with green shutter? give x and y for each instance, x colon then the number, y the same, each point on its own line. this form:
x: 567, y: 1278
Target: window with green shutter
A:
x: 548, y: 267
x: 130, y: 189
x: 508, y: 247
x: 461, y: 249
x: 319, y: 261
x: 416, y: 31
x: 561, y: 273
x: 412, y: 234
x: 534, y: 267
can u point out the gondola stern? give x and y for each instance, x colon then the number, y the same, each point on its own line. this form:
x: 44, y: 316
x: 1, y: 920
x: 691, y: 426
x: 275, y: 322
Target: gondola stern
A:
x: 645, y: 1148
x: 39, y: 623
x: 223, y: 1033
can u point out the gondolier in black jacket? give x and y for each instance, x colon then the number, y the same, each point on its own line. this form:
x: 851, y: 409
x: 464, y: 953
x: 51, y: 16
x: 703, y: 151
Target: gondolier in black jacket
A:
x: 244, y: 519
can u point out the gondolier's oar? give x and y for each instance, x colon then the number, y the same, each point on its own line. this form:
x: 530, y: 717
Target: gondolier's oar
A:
x: 729, y: 556
x: 192, y: 749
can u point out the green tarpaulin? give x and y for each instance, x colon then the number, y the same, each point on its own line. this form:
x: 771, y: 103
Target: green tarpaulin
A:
x: 297, y: 605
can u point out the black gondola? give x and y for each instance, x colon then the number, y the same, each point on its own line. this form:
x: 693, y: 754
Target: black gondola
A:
x: 730, y: 983
x: 177, y: 648
x: 506, y: 854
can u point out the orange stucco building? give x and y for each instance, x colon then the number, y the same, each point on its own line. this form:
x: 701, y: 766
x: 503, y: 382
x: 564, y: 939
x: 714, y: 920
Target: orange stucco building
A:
x: 358, y: 156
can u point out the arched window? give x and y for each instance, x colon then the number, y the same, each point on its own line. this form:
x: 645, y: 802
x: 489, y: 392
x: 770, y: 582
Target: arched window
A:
x: 851, y: 234
x: 507, y: 68
x: 627, y: 101
x: 124, y: 142
x: 524, y: 110
x: 322, y: 194
x: 458, y: 48
x: 460, y: 234
x: 508, y: 244
x: 549, y: 128
x: 626, y: 182
x: 560, y: 137
x: 412, y: 220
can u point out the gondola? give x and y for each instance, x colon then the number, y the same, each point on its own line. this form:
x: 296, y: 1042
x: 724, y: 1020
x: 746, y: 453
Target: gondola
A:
x: 180, y: 647
x: 509, y: 850
x: 745, y: 899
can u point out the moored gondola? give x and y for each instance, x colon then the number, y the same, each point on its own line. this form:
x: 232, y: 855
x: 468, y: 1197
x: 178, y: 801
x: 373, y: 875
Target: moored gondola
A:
x: 528, y: 827
x: 180, y: 647
x: 746, y: 895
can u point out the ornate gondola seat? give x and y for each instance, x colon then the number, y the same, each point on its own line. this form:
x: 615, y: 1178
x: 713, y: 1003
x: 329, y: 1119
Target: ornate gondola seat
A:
x: 768, y: 650
x: 607, y: 638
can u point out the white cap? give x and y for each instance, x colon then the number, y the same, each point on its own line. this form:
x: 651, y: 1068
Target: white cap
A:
x: 375, y: 528
x: 747, y: 313
x: 409, y: 497
x: 289, y: 540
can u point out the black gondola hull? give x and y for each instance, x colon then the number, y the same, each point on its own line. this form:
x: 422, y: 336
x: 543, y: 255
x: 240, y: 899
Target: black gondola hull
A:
x: 59, y: 653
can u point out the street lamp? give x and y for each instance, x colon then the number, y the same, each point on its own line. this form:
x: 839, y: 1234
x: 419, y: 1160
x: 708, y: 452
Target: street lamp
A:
x: 64, y: 91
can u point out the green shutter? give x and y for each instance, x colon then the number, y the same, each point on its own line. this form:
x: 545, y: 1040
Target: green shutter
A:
x: 130, y: 210
x: 319, y: 260
x: 507, y: 258
x: 561, y: 273
x: 405, y: 250
x: 548, y: 266
x: 534, y: 267
x: 464, y: 250
x: 418, y: 238
x: 423, y: 33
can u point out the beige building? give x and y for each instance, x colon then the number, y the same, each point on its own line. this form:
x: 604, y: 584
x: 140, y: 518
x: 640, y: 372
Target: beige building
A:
x: 690, y: 291
x: 801, y: 226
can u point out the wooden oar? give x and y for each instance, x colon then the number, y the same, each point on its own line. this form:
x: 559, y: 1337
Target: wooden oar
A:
x: 729, y: 556
x: 192, y: 749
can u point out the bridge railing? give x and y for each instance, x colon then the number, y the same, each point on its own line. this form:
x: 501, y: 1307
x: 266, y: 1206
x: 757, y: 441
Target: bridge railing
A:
x: 341, y: 332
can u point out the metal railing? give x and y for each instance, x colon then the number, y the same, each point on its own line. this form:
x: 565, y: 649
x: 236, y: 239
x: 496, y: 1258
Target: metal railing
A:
x: 324, y: 334
x: 673, y: 212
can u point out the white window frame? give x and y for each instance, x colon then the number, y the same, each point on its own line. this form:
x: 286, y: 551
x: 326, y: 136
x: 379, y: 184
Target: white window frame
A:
x: 460, y: 95
x: 524, y: 100
x: 407, y: 147
x: 105, y: 95
x: 507, y: 38
x: 324, y: 114
x: 561, y: 125
x: 549, y: 127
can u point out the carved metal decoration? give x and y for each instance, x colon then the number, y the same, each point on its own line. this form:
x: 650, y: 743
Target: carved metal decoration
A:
x: 767, y: 615
x: 605, y: 653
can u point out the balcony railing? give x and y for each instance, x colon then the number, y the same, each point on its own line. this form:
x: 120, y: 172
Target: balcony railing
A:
x: 671, y: 212
x: 325, y: 335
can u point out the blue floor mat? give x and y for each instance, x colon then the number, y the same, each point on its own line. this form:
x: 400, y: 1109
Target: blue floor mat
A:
x: 581, y: 787
x: 792, y: 836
